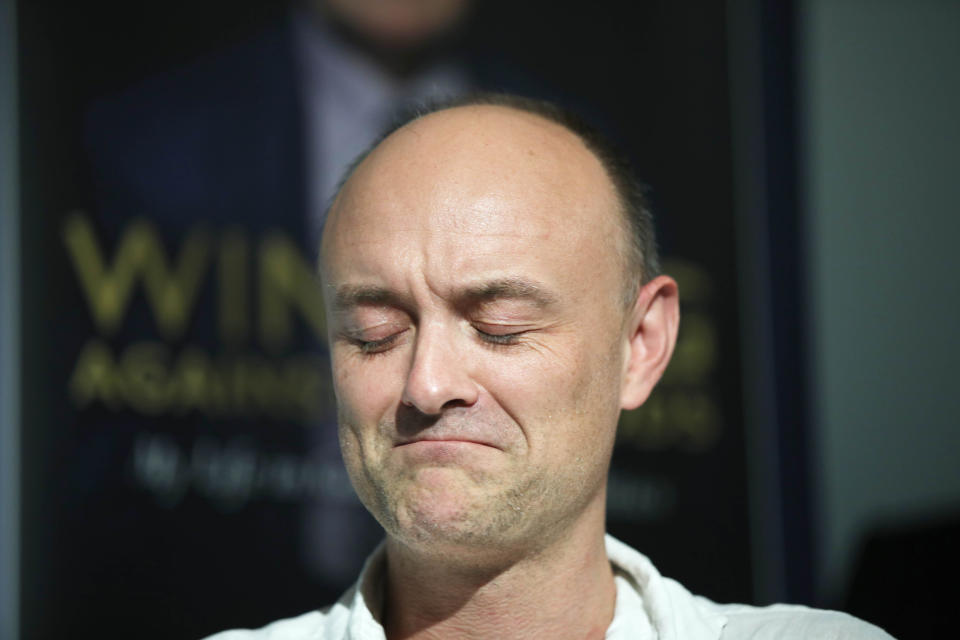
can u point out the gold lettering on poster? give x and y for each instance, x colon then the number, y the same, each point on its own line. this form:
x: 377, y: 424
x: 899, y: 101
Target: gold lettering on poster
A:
x: 166, y: 377
x: 287, y: 282
x: 150, y: 379
x: 108, y: 285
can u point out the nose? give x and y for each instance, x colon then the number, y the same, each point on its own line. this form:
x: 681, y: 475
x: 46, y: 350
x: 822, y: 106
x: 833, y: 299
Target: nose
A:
x: 439, y: 375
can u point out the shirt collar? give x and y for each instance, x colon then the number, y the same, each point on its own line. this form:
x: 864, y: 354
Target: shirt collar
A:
x: 674, y: 612
x: 365, y: 600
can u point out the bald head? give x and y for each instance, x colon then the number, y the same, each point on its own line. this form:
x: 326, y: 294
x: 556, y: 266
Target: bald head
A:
x: 511, y: 136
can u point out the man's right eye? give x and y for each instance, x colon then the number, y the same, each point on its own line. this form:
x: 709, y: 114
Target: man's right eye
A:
x: 371, y: 347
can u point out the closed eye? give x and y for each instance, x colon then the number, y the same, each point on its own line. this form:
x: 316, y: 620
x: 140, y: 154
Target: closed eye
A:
x: 500, y: 338
x: 372, y: 347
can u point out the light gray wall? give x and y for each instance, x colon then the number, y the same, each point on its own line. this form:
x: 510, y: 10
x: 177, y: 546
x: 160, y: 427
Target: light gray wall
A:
x: 882, y: 113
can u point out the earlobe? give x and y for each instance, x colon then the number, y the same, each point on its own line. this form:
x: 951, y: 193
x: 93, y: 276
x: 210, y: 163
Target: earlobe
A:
x: 650, y: 339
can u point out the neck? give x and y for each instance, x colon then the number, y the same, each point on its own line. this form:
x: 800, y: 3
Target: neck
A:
x: 565, y: 589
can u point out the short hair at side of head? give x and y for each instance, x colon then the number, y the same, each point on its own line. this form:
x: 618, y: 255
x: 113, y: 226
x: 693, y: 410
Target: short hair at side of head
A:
x: 641, y: 258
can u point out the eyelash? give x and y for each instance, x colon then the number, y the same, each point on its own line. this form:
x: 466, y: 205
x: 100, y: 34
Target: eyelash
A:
x: 377, y: 347
x: 500, y: 339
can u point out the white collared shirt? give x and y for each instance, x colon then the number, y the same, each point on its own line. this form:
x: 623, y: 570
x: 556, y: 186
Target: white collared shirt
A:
x: 648, y: 606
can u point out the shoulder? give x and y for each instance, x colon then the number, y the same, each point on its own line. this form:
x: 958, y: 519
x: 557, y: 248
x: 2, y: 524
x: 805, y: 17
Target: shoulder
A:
x: 676, y: 613
x: 214, y: 139
x: 225, y: 88
x: 308, y: 625
x: 225, y: 73
x: 793, y: 621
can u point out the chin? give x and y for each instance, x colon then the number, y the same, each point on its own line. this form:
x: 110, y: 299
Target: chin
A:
x: 459, y: 511
x: 447, y: 520
x: 438, y: 509
x: 439, y: 516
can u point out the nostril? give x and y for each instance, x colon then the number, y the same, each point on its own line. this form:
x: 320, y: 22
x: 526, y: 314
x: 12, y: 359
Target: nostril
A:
x: 439, y: 377
x: 439, y: 393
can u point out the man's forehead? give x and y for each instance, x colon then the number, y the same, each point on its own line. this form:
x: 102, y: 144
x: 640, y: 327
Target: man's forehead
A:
x: 474, y: 155
x: 472, y: 192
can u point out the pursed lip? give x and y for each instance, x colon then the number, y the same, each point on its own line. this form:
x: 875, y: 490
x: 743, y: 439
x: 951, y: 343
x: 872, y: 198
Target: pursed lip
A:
x: 446, y: 438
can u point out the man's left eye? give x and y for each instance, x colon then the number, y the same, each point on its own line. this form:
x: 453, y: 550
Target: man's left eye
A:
x: 500, y: 338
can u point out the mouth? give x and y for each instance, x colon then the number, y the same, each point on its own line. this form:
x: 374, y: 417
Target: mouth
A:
x: 427, y: 441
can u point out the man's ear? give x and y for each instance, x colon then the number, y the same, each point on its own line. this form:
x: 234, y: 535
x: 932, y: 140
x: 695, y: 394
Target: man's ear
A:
x: 651, y: 334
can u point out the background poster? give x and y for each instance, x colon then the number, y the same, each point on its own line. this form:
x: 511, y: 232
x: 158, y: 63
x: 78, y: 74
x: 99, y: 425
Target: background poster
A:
x: 180, y: 470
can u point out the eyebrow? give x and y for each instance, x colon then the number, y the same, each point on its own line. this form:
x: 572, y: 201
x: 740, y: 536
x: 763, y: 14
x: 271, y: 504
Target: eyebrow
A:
x: 349, y: 296
x: 516, y: 288
x: 511, y: 288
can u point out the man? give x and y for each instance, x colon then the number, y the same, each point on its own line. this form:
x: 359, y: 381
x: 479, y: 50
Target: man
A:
x: 493, y: 303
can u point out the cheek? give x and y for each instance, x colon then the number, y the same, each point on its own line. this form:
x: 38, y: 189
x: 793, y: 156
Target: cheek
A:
x: 366, y: 389
x: 563, y: 401
x: 540, y: 384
